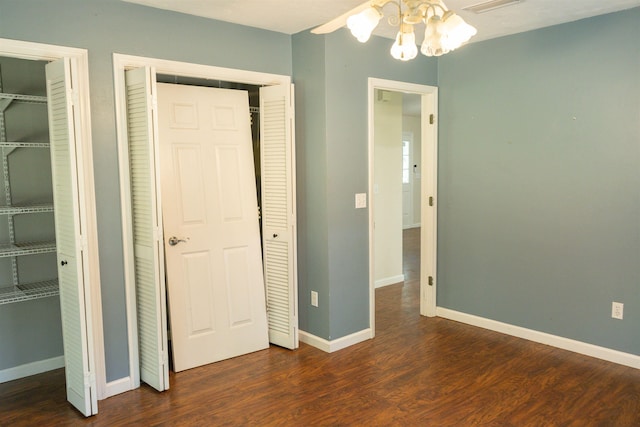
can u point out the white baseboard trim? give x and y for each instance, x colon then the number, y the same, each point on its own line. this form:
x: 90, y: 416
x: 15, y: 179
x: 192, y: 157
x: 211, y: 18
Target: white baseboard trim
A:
x: 615, y: 356
x: 337, y: 344
x: 32, y: 368
x: 406, y: 227
x: 389, y: 281
x: 117, y: 387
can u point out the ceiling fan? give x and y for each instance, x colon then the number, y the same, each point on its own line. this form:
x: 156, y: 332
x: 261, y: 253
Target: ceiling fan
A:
x: 444, y: 30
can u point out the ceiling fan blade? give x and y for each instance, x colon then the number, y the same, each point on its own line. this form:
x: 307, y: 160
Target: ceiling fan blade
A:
x: 340, y: 21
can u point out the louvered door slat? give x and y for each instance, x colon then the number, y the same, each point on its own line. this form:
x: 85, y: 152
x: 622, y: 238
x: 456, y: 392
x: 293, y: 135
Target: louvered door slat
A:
x: 80, y: 383
x: 278, y: 214
x: 146, y: 223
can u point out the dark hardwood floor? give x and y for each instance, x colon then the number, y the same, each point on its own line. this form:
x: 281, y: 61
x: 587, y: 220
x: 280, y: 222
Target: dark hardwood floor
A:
x: 417, y: 371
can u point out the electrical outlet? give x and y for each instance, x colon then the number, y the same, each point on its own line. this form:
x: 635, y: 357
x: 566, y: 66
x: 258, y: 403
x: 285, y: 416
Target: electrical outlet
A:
x: 314, y: 298
x: 617, y: 310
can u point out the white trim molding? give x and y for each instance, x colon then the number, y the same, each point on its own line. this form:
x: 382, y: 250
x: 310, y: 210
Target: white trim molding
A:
x: 118, y: 386
x: 337, y: 344
x: 386, y: 281
x: 80, y: 67
x: 32, y: 368
x: 615, y: 356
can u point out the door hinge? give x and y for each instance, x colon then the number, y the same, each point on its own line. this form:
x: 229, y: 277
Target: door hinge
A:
x: 430, y: 200
x: 82, y: 242
x: 89, y: 379
x: 430, y: 280
x: 158, y: 234
x: 73, y: 96
x: 431, y: 119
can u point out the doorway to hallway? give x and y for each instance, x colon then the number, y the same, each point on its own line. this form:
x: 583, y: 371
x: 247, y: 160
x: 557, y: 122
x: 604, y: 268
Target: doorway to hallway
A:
x: 427, y: 175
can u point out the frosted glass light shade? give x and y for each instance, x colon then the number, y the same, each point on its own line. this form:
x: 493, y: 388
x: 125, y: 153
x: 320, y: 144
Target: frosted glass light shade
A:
x: 456, y: 31
x: 405, y: 47
x: 434, y: 43
x: 363, y: 23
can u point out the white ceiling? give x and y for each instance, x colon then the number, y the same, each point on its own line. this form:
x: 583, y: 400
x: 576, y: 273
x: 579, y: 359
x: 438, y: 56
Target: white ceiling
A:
x: 293, y: 16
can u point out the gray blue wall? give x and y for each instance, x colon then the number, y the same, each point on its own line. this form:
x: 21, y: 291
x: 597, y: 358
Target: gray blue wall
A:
x: 331, y: 76
x: 107, y: 26
x: 539, y: 214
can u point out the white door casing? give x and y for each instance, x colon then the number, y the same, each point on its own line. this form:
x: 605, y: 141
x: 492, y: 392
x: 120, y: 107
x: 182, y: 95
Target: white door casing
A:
x: 79, y: 68
x: 278, y: 213
x: 428, y: 200
x: 214, y: 264
x: 146, y: 236
x: 407, y: 187
x: 75, y: 295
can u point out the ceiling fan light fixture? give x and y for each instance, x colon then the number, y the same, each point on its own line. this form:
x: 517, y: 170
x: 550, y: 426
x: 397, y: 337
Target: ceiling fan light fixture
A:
x: 444, y: 30
x: 363, y: 23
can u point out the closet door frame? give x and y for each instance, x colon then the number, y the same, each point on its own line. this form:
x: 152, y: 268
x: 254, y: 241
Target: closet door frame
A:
x: 80, y: 71
x: 121, y: 63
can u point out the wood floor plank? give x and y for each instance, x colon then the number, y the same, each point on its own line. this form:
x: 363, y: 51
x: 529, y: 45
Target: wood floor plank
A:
x: 417, y: 371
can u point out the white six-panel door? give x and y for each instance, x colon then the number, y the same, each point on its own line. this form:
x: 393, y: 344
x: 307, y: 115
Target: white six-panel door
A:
x: 74, y: 295
x: 211, y: 232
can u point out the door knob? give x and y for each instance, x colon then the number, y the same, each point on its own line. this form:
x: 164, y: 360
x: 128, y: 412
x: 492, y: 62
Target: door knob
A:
x: 63, y: 263
x: 173, y: 240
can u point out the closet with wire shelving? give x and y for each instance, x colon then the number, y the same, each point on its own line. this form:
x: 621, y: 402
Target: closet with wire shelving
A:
x: 30, y: 320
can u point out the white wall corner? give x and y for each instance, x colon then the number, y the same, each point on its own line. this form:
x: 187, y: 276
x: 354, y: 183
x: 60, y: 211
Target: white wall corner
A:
x: 337, y: 344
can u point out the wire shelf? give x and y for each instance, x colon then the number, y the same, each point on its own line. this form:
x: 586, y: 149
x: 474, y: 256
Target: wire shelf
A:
x: 25, y: 209
x: 29, y: 291
x: 23, y: 144
x: 30, y: 248
x: 24, y: 98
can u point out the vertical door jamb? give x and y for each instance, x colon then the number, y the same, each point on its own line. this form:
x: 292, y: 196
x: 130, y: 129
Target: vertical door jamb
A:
x: 429, y: 180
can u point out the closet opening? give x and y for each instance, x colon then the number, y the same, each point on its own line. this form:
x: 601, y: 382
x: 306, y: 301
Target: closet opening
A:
x: 138, y: 101
x: 30, y: 316
x: 49, y: 267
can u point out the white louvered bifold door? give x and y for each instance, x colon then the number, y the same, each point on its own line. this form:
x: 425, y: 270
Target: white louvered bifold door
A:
x: 148, y: 247
x: 278, y: 213
x: 74, y: 295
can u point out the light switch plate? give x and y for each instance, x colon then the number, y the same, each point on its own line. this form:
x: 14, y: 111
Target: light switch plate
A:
x: 361, y: 200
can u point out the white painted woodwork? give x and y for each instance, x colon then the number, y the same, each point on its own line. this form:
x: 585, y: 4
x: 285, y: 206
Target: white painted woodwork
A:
x: 412, y: 124
x: 429, y: 188
x: 388, y: 179
x: 407, y: 187
x: 278, y: 213
x: 74, y: 295
x: 148, y: 248
x: 214, y: 277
